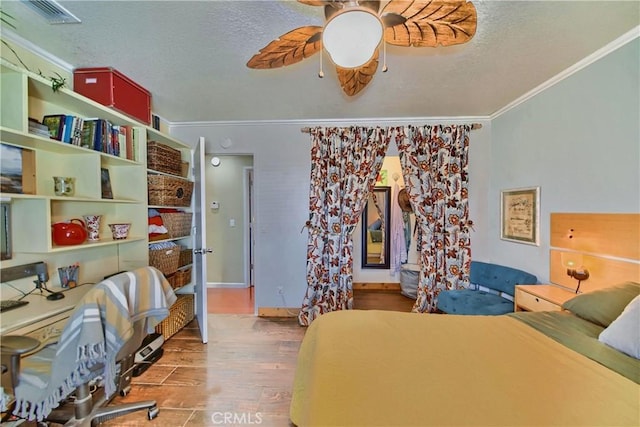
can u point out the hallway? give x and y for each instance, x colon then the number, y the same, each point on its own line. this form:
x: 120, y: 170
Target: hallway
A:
x: 230, y: 300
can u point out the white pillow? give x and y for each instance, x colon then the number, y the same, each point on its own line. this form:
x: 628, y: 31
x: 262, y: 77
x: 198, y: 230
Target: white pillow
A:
x: 623, y: 334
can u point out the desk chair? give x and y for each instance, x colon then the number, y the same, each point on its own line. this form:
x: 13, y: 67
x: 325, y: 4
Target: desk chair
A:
x: 96, y: 347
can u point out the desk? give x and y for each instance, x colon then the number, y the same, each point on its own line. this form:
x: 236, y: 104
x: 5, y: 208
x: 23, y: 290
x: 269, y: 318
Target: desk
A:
x: 41, y: 317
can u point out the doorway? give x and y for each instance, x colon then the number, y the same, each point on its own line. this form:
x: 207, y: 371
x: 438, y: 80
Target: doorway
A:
x: 230, y: 232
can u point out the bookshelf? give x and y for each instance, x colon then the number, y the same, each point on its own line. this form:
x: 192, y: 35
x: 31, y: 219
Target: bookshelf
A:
x: 27, y: 95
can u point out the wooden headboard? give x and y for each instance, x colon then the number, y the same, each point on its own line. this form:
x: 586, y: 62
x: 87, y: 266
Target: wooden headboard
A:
x: 609, y: 245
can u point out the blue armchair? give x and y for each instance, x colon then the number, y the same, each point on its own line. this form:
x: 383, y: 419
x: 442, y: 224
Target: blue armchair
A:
x: 490, y: 292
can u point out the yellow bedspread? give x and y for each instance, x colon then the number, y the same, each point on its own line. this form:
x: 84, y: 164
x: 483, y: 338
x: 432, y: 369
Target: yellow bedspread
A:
x: 381, y: 368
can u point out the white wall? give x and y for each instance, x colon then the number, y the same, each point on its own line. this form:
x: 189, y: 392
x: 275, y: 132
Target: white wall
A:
x: 281, y: 174
x: 579, y: 140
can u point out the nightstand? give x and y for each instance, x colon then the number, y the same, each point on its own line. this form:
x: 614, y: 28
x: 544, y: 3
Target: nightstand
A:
x: 540, y: 297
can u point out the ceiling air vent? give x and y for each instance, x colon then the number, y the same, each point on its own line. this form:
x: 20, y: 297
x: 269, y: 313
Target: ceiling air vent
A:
x: 52, y: 11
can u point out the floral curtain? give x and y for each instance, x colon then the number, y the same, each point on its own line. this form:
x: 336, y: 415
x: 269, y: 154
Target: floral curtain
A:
x: 434, y: 162
x: 344, y: 165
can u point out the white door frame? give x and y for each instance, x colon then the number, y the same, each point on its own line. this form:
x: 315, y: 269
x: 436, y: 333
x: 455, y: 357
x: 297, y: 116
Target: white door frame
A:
x: 199, y: 239
x: 249, y: 216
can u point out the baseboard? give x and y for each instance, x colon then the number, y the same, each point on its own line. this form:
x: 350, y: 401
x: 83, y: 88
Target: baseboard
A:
x: 226, y: 285
x: 361, y: 286
x: 278, y: 311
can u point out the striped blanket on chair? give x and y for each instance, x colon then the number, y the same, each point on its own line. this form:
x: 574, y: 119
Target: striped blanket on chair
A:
x: 98, y: 327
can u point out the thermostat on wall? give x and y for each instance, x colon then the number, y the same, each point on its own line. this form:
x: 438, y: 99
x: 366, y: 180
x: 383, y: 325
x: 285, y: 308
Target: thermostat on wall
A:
x: 215, y: 205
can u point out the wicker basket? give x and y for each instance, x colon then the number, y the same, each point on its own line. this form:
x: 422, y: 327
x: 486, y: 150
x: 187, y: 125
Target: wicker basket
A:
x: 180, y: 314
x: 165, y: 260
x: 156, y: 237
x: 172, y: 280
x: 182, y: 277
x: 186, y: 257
x: 163, y: 158
x: 169, y: 191
x: 178, y: 224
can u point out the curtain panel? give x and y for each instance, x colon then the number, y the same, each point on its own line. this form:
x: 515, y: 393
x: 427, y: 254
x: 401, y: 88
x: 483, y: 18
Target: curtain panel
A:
x: 434, y: 162
x: 344, y: 165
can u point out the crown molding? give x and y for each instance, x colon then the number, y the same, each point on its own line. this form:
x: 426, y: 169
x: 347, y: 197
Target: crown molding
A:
x: 323, y: 122
x: 628, y: 37
x: 12, y: 37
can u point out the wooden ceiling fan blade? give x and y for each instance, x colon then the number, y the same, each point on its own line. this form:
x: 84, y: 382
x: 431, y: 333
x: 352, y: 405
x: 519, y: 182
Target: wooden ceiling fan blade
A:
x: 333, y: 7
x: 289, y: 49
x: 424, y: 23
x: 374, y: 5
x: 315, y: 2
x: 353, y: 80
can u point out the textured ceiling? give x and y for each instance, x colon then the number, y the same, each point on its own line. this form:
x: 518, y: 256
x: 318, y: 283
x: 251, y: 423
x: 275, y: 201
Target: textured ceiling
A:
x: 192, y: 56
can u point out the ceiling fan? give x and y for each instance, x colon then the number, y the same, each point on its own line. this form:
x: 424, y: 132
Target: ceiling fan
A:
x: 354, y: 30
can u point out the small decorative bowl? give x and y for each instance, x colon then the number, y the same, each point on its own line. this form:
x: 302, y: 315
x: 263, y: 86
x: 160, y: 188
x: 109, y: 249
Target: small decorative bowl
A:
x: 120, y: 231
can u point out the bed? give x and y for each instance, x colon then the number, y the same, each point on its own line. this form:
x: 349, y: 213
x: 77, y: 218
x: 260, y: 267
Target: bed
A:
x: 382, y: 368
x: 464, y: 370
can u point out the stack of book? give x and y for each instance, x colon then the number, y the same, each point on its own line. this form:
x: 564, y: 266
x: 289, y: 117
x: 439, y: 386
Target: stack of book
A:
x: 65, y: 128
x: 95, y: 134
x: 37, y: 128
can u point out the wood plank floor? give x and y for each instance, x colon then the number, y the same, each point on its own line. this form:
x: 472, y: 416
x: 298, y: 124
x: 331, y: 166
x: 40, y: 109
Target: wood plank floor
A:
x: 245, y: 370
x: 230, y: 300
x: 241, y: 300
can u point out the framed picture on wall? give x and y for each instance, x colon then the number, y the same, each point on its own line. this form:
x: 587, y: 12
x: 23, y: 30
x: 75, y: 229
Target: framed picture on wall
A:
x: 520, y: 215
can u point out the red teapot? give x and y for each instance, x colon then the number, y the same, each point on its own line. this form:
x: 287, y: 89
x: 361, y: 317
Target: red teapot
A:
x: 69, y: 233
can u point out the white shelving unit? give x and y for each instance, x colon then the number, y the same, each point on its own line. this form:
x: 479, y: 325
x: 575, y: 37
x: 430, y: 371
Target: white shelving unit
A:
x: 25, y: 95
x: 186, y: 153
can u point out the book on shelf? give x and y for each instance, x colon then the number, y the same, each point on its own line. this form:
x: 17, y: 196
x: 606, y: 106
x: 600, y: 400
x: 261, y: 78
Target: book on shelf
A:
x: 76, y: 137
x: 67, y: 128
x: 37, y: 128
x: 88, y: 132
x: 115, y: 141
x: 55, y: 124
x: 126, y: 143
x: 135, y: 143
x: 97, y: 139
x: 122, y: 141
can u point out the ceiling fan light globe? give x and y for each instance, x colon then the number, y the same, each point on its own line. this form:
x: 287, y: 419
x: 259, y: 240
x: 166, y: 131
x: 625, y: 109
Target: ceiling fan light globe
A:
x: 351, y: 37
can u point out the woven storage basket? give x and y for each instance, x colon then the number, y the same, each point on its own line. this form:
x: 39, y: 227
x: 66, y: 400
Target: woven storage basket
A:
x: 182, y: 277
x: 172, y: 280
x: 186, y: 257
x: 166, y: 260
x: 180, y: 314
x: 163, y: 158
x: 178, y: 224
x: 169, y: 191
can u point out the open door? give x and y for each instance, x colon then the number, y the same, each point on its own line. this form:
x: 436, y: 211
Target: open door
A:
x: 200, y: 249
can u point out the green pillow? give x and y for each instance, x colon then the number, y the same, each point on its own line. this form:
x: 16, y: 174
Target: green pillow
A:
x: 604, y: 305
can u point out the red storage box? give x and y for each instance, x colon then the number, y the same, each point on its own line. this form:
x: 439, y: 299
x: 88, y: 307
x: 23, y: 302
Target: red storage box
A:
x: 109, y: 87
